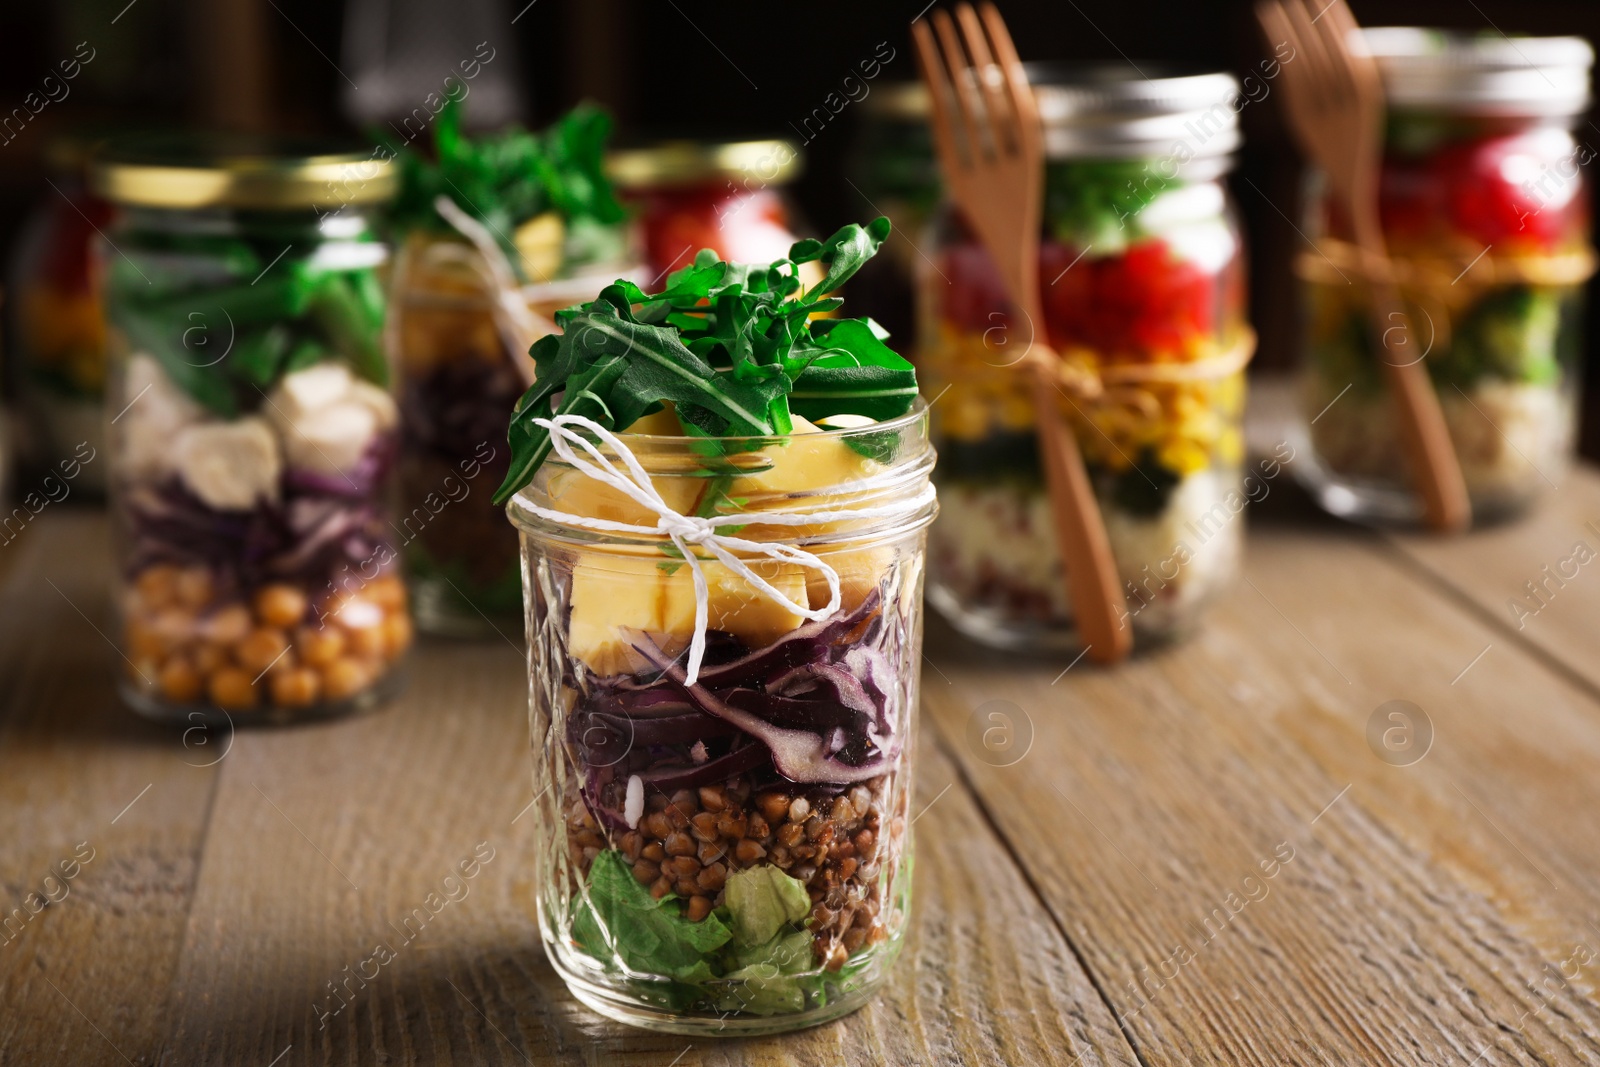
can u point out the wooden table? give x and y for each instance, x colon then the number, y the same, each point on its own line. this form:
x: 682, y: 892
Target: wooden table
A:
x: 1211, y: 855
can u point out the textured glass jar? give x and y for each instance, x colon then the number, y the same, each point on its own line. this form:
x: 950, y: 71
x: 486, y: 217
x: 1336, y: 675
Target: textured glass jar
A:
x: 57, y: 324
x: 1143, y: 280
x: 658, y: 820
x: 731, y: 198
x: 252, y: 435
x: 1485, y: 213
x: 459, y: 377
x: 892, y: 165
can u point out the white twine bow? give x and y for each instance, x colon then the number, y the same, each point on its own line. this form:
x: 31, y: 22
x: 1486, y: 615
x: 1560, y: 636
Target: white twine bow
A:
x: 518, y: 324
x: 701, y: 531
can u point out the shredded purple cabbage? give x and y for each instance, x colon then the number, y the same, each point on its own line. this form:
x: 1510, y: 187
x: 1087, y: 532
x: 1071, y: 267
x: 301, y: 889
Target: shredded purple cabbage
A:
x: 813, y: 707
x: 320, y: 526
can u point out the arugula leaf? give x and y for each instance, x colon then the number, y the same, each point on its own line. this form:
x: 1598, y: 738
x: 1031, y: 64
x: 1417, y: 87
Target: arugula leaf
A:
x: 844, y: 252
x: 506, y: 178
x: 620, y: 921
x: 852, y: 372
x: 735, y: 347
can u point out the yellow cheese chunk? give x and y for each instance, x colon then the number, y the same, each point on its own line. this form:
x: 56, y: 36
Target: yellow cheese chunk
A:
x: 734, y: 604
x: 663, y: 423
x: 860, y: 572
x: 540, y: 243
x: 808, y: 461
x: 576, y: 493
x: 612, y: 594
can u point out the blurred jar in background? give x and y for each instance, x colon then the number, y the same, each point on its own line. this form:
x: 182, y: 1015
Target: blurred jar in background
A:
x: 1484, y: 206
x: 1142, y: 278
x: 57, y: 327
x: 893, y: 171
x: 464, y: 311
x: 252, y: 433
x: 726, y: 197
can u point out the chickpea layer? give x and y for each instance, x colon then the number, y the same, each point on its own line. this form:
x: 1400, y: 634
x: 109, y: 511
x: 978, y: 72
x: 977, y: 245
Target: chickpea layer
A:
x: 277, y: 647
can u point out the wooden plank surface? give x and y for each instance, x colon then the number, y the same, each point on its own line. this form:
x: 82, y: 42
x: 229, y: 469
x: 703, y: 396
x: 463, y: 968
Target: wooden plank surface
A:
x: 1538, y: 579
x: 1216, y: 865
x: 1427, y: 910
x: 85, y: 980
x: 324, y: 839
x: 319, y: 841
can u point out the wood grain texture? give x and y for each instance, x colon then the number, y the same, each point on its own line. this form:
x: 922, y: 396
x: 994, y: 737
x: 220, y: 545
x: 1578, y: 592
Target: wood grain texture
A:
x: 1424, y: 913
x: 324, y: 839
x: 85, y: 980
x: 1426, y: 907
x: 1538, y: 579
x: 1491, y: 569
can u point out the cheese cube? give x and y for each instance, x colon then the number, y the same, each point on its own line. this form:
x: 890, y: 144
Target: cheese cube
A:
x: 229, y: 465
x: 663, y: 423
x: 576, y: 493
x: 375, y: 400
x: 610, y: 594
x: 807, y: 461
x: 613, y: 594
x: 305, y: 391
x: 860, y: 572
x: 156, y: 410
x: 331, y: 440
x: 733, y: 604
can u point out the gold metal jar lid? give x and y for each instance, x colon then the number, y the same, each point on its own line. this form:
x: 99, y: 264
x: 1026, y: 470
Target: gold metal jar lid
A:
x: 773, y: 162
x: 898, y: 102
x: 239, y: 171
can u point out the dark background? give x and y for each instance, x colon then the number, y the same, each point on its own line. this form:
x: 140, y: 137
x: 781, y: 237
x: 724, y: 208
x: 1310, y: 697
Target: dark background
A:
x: 716, y: 67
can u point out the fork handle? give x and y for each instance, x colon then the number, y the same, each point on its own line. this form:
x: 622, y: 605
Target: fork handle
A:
x: 1435, y: 467
x: 1098, y: 603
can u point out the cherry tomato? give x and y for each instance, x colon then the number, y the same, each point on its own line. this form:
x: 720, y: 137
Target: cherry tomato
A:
x: 1506, y: 189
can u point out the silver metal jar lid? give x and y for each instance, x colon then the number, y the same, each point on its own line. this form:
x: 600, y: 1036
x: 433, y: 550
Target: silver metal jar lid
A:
x: 1116, y: 111
x: 1482, y: 73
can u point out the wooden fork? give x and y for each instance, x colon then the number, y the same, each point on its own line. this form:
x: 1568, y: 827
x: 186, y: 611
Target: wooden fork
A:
x: 1335, y: 103
x: 994, y: 168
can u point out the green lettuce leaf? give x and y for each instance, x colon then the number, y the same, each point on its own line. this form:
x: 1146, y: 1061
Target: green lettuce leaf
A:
x: 620, y: 921
x: 762, y: 900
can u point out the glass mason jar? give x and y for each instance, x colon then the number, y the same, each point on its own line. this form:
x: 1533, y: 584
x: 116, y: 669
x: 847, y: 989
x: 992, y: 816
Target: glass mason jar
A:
x: 1485, y: 212
x: 726, y: 197
x: 460, y: 376
x: 733, y: 855
x: 1142, y: 275
x: 892, y: 163
x: 252, y: 435
x: 57, y: 327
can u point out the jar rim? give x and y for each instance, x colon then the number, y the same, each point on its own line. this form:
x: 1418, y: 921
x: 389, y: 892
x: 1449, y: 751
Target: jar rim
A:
x: 1112, y: 110
x: 773, y: 162
x: 191, y: 171
x: 1467, y: 72
x: 1123, y: 111
x: 908, y: 472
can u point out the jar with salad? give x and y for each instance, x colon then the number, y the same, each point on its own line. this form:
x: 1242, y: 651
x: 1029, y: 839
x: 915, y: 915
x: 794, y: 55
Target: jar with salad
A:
x: 729, y: 197
x: 1143, y: 291
x: 1484, y: 205
x: 892, y: 166
x: 495, y: 234
x: 57, y: 330
x: 252, y: 433
x: 722, y: 499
